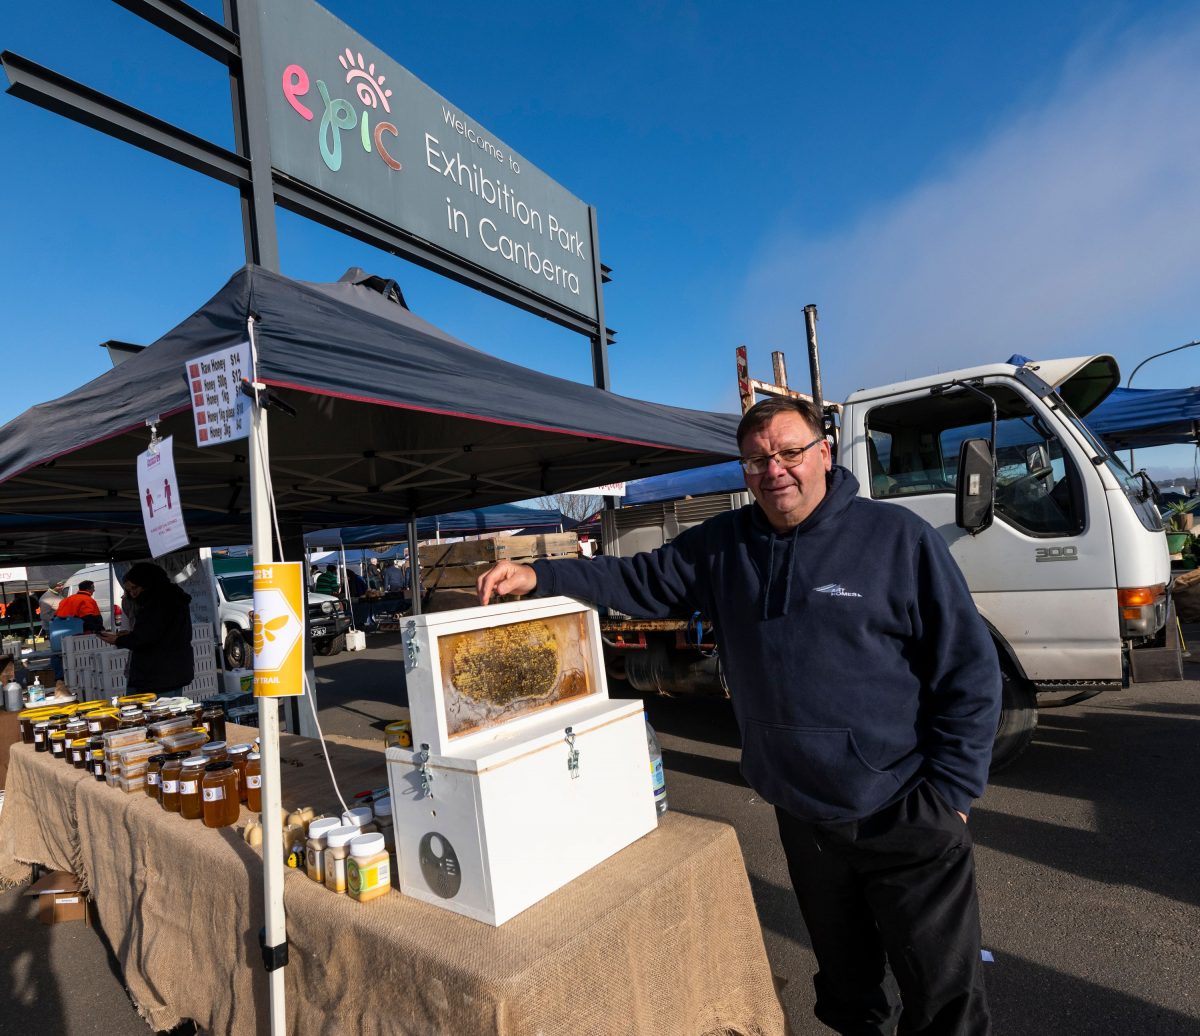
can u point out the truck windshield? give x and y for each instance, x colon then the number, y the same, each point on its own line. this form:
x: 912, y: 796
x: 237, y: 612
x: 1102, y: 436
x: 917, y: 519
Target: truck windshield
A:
x: 1131, y: 484
x: 237, y: 588
x: 913, y: 448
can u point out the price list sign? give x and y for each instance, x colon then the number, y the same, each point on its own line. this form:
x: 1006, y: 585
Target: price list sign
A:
x: 220, y: 410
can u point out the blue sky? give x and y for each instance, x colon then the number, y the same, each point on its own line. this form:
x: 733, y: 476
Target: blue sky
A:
x: 949, y: 183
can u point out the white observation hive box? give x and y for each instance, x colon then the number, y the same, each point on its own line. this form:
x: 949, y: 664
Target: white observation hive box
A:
x: 523, y: 773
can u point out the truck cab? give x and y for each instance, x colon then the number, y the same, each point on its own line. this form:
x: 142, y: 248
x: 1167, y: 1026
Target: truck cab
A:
x: 1068, y: 564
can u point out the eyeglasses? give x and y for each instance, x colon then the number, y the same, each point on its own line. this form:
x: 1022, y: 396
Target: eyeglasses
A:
x: 788, y: 458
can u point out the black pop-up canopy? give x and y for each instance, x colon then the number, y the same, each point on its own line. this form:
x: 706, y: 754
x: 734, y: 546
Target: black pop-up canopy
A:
x: 392, y: 418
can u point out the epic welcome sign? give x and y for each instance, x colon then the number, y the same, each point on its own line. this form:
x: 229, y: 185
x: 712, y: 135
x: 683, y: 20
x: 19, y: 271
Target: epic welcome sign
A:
x: 347, y: 119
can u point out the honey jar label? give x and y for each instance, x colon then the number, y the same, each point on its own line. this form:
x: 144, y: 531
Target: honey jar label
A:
x: 214, y: 794
x: 98, y: 769
x: 188, y: 787
x: 151, y: 778
x: 254, y: 780
x: 170, y: 787
x: 363, y: 879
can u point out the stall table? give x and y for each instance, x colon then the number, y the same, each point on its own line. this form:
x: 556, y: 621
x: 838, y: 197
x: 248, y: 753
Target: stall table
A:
x: 662, y: 938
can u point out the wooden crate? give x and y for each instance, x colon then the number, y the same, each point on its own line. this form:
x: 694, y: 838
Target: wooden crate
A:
x: 500, y: 548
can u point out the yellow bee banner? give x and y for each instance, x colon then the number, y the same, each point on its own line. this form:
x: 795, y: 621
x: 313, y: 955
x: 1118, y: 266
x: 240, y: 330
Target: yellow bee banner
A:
x: 278, y: 629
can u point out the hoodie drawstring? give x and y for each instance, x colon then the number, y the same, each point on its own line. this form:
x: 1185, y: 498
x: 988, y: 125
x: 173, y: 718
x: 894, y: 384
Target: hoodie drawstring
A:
x: 789, y: 567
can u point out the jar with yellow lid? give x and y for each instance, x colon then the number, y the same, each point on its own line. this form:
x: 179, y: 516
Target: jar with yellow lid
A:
x: 97, y: 763
x: 221, y: 808
x: 26, y: 719
x: 101, y: 720
x: 136, y: 699
x: 190, y: 775
x: 58, y: 747
x: 79, y: 752
x: 398, y: 734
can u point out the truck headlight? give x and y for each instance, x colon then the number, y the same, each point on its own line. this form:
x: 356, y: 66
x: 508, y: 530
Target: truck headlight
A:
x: 327, y: 607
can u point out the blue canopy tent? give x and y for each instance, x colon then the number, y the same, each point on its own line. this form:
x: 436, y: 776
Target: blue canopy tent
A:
x: 1126, y: 419
x: 1139, y: 418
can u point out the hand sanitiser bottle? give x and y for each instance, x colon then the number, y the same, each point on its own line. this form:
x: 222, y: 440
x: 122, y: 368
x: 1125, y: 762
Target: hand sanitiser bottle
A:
x: 658, y: 779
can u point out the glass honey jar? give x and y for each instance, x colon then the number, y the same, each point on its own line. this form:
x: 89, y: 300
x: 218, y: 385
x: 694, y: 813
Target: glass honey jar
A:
x: 237, y: 756
x: 58, y: 744
x: 153, y: 770
x: 220, y: 792
x: 213, y: 719
x: 98, y: 766
x: 191, y: 773
x: 168, y: 778
x: 80, y: 747
x: 41, y: 736
x: 253, y: 782
x: 215, y: 752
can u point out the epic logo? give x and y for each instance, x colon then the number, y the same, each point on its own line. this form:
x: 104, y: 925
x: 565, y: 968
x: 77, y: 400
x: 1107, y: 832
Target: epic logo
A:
x: 341, y: 115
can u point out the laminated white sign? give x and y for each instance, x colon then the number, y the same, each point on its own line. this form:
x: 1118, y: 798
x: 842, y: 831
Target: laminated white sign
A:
x: 158, y: 490
x: 220, y: 410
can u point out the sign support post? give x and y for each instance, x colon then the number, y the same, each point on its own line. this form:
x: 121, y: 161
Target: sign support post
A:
x: 275, y: 929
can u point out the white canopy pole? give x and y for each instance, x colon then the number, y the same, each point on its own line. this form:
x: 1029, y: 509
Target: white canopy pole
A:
x: 275, y: 947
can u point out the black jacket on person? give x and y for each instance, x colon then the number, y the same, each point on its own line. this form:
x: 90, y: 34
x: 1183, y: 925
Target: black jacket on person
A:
x: 857, y: 664
x: 160, y: 642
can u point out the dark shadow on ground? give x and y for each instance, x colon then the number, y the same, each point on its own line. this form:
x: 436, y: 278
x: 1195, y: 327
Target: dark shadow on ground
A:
x: 1029, y: 999
x: 1144, y: 795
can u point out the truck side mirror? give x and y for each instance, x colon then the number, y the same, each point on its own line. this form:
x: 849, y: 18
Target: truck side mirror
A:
x: 974, y: 494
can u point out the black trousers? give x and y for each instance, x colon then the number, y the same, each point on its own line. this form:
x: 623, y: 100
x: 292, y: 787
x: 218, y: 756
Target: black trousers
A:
x: 894, y: 889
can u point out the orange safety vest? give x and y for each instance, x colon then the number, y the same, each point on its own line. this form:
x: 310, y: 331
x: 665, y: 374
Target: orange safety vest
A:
x: 77, y: 606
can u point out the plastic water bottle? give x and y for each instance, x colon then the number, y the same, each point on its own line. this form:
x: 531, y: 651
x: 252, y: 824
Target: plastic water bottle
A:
x: 658, y: 780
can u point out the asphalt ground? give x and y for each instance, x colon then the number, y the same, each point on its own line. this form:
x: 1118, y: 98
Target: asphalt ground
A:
x: 1086, y: 851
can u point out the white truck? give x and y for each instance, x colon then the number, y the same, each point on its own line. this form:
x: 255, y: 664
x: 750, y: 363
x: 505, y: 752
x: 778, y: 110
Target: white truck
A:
x: 328, y: 618
x: 1062, y: 547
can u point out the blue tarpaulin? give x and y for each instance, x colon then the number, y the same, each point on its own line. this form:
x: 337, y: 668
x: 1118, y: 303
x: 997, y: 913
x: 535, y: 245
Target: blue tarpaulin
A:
x: 1138, y: 418
x: 1127, y: 419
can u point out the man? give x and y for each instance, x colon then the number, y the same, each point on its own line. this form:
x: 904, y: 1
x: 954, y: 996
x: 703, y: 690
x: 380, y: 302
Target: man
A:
x: 81, y: 605
x: 328, y: 582
x: 867, y: 692
x: 395, y: 578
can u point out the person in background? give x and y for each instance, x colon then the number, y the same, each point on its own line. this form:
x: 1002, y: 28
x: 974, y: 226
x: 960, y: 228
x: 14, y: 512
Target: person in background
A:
x: 867, y: 692
x: 356, y: 584
x: 160, y: 644
x: 82, y: 605
x: 395, y: 579
x: 328, y: 582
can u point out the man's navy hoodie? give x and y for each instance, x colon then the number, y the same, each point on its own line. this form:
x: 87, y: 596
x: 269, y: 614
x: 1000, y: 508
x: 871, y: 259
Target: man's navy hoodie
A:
x: 857, y: 664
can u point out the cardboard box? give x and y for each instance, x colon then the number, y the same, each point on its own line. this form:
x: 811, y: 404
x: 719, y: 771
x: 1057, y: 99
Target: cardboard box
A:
x: 60, y: 898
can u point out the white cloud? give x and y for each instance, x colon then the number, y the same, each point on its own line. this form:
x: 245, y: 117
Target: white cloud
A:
x: 1065, y: 231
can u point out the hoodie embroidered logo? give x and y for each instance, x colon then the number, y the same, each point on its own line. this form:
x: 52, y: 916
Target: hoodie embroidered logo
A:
x: 835, y: 590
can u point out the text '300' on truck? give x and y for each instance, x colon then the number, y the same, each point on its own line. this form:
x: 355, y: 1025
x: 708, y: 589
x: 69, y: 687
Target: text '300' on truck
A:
x: 1062, y: 547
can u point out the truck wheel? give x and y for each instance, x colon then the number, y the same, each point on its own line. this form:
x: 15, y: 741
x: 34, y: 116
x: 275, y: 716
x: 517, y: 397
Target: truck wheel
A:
x: 235, y: 650
x: 1018, y: 720
x: 330, y: 645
